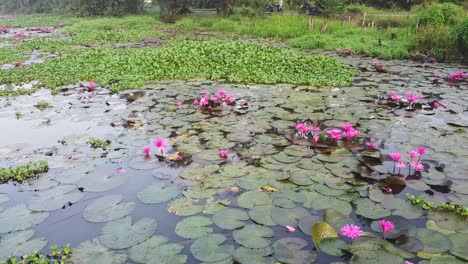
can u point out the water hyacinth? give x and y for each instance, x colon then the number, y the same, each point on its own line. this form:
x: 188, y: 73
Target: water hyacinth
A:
x: 351, y: 231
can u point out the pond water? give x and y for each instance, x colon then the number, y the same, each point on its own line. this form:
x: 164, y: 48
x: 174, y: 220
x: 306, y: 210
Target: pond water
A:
x: 116, y: 205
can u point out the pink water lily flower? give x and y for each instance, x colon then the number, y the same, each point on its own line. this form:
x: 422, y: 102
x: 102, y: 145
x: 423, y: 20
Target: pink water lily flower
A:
x: 421, y: 150
x: 408, y: 262
x: 204, y: 101
x: 395, y: 156
x: 395, y: 97
x: 146, y: 150
x: 351, y: 231
x: 371, y: 144
x: 205, y: 92
x: 179, y: 104
x: 290, y: 229
x: 302, y: 127
x: 196, y: 102
x: 417, y: 165
x: 351, y: 133
x: 91, y: 85
x: 315, y: 138
x: 436, y: 75
x: 413, y: 154
x: 18, y: 64
x: 160, y: 143
x: 347, y: 126
x: 223, y: 154
x: 214, y: 99
x: 335, y: 133
x: 411, y: 98
x: 386, y: 226
x: 120, y: 170
x: 221, y: 93
x: 388, y: 190
x: 230, y: 98
x: 314, y: 128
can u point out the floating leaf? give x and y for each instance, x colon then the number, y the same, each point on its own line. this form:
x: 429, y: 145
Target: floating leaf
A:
x: 244, y: 255
x: 253, y: 236
x: 184, y: 207
x: 262, y: 215
x: 433, y: 241
x: 459, y: 245
x: 253, y: 198
x: 306, y: 223
x: 120, y: 234
x: 93, y: 252
x: 290, y: 217
x: 144, y: 163
x: 212, y: 206
x: 194, y: 227
x: 157, y: 250
x: 374, y: 256
x: 100, y: 181
x: 54, y: 198
x: 210, y: 249
x: 19, y: 217
x: 322, y: 230
x: 107, y: 208
x: 158, y: 192
x: 230, y: 218
x: 288, y: 250
x: 370, y: 209
x: 333, y: 246
x: 18, y: 244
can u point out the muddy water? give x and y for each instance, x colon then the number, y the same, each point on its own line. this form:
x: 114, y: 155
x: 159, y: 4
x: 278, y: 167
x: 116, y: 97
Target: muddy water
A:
x: 133, y: 119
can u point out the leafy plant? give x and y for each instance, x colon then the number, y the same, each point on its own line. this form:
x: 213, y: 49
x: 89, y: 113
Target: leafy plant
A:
x: 57, y: 256
x: 43, y: 105
x: 24, y: 172
x: 440, y: 14
x: 461, y: 35
x: 421, y: 201
x: 99, y: 143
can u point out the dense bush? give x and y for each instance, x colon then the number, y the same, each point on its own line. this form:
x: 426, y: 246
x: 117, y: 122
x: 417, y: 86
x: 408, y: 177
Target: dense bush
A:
x: 105, y: 7
x: 436, y: 41
x: 440, y: 14
x: 461, y: 36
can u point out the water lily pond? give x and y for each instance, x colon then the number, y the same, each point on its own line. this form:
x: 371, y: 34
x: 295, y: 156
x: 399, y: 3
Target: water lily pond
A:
x: 276, y: 196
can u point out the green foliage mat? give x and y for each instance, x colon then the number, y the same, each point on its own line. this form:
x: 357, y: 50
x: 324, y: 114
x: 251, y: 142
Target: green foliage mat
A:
x: 235, y: 61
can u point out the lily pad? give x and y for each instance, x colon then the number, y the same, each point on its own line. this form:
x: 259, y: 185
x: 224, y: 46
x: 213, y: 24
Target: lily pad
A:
x: 289, y: 251
x: 194, y: 227
x: 230, y: 218
x: 108, y: 208
x: 459, y: 245
x: 305, y: 223
x: 144, y: 163
x: 93, y: 252
x: 283, y: 216
x: 370, y: 209
x: 212, y: 206
x: 244, y: 255
x: 100, y: 181
x: 262, y: 215
x: 253, y: 198
x: 185, y: 207
x: 19, y: 244
x: 120, y: 234
x: 210, y: 249
x: 158, y: 192
x: 433, y: 241
x: 19, y: 217
x: 54, y: 198
x: 157, y: 250
x: 333, y: 246
x: 253, y: 236
x: 322, y: 230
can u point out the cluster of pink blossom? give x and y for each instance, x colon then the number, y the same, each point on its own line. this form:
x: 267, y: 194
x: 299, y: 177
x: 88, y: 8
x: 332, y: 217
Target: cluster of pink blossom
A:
x: 378, y: 65
x: 349, y: 132
x: 305, y: 130
x: 354, y: 231
x: 423, y: 57
x: 207, y: 101
x: 159, y: 143
x: 458, y: 76
x: 345, y: 52
x: 4, y: 29
x: 409, y: 97
x: 42, y: 29
x: 416, y: 164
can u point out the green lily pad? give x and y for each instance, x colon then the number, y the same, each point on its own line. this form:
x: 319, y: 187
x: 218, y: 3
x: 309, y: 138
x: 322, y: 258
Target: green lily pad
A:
x: 262, y: 215
x: 322, y: 230
x: 459, y: 245
x: 370, y: 209
x: 230, y: 218
x: 120, y: 234
x: 194, y: 227
x: 252, y: 182
x: 433, y: 241
x: 157, y: 250
x: 446, y: 260
x: 212, y: 206
x: 184, y: 207
x: 210, y: 249
x: 234, y: 170
x: 289, y: 251
x: 158, y: 192
x: 402, y: 226
x: 333, y: 246
x: 144, y: 163
x: 336, y: 218
x: 253, y: 198
x: 19, y: 244
x: 283, y: 216
x: 19, y: 217
x: 447, y: 220
x: 100, y: 181
x: 54, y: 198
x: 107, y: 208
x: 244, y: 255
x: 253, y: 236
x: 408, y: 210
x: 93, y: 252
x: 375, y: 256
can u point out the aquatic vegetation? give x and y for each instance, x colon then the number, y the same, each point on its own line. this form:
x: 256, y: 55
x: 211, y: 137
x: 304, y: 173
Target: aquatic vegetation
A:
x: 43, y: 105
x: 421, y: 201
x: 208, y: 103
x: 146, y: 151
x: 56, y: 256
x: 223, y: 154
x: 99, y: 143
x: 386, y: 226
x: 160, y: 144
x: 22, y: 173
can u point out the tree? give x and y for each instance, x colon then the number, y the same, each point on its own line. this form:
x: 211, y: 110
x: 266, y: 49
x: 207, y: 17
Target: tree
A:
x: 171, y: 9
